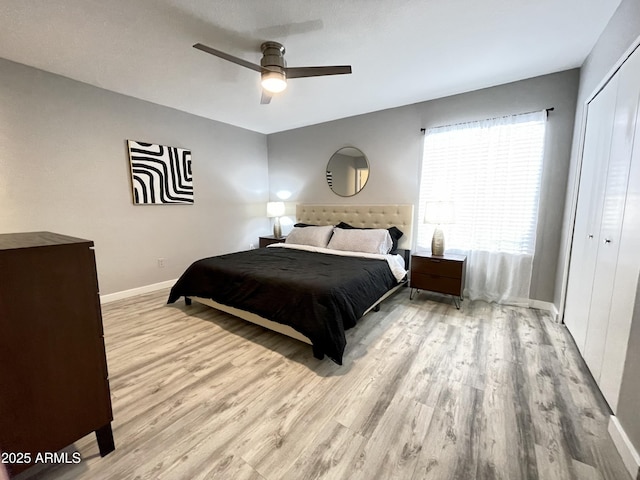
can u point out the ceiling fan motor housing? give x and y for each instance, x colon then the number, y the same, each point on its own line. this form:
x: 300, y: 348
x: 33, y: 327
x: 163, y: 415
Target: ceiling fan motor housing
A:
x: 273, y: 57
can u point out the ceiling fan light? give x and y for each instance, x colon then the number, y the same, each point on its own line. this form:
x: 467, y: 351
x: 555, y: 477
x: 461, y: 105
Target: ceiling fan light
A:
x: 274, y: 82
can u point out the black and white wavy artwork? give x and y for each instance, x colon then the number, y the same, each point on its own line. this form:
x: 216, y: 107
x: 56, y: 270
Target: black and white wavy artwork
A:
x: 160, y: 174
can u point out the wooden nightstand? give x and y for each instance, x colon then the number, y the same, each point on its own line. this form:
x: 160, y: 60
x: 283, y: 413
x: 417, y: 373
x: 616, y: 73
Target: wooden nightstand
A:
x: 442, y: 274
x: 269, y: 239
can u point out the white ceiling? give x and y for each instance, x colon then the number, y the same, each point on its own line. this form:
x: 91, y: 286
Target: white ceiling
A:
x: 401, y: 51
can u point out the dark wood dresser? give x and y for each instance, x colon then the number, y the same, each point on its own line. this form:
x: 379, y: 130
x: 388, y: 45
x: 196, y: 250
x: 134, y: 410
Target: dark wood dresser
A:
x: 439, y: 273
x: 54, y: 387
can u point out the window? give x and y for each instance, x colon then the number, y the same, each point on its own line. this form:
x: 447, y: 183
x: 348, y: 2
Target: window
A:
x: 491, y: 170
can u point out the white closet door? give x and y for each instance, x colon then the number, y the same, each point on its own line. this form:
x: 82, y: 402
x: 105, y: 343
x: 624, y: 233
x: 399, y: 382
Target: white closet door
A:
x: 584, y: 248
x: 628, y: 265
x: 612, y: 215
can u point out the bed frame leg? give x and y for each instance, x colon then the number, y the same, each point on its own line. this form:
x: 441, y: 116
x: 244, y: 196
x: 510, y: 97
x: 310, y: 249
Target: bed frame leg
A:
x: 187, y: 301
x: 376, y: 308
x: 317, y: 353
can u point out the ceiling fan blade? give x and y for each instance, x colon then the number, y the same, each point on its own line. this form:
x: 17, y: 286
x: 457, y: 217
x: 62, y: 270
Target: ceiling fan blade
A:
x: 265, y: 98
x: 299, y: 72
x: 226, y: 56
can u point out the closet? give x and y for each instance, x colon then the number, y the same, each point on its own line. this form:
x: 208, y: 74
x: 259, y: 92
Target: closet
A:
x: 605, y: 252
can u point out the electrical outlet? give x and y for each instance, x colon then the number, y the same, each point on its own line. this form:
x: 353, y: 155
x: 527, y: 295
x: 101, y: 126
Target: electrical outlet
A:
x: 161, y: 263
x: 251, y: 246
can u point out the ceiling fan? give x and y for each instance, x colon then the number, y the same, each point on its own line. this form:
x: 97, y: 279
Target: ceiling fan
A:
x: 273, y: 68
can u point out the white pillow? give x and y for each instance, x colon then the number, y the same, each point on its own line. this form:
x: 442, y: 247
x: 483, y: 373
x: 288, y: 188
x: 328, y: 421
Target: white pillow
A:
x: 376, y: 240
x: 314, y: 236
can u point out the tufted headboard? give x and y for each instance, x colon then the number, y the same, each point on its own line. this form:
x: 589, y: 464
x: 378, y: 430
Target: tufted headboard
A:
x: 369, y: 216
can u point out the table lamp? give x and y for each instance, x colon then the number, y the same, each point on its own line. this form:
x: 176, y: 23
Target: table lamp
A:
x: 438, y: 213
x: 275, y: 210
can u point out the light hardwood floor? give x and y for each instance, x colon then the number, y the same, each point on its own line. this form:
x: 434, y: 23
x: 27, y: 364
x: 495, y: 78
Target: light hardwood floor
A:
x: 425, y: 392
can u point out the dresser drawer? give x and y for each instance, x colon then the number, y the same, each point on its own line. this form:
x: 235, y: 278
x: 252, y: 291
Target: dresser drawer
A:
x: 436, y: 266
x: 434, y: 283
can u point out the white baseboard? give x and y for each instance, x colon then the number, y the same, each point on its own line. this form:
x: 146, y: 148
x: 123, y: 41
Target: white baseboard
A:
x: 625, y: 448
x: 548, y: 306
x: 112, y: 297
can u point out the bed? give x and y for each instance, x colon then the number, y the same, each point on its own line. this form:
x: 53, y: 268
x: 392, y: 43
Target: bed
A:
x: 307, y: 291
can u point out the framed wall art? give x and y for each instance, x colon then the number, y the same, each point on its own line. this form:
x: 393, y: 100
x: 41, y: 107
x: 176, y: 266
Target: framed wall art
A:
x: 160, y: 174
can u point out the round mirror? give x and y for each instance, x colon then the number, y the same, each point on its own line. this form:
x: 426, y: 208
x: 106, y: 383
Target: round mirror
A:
x: 347, y: 171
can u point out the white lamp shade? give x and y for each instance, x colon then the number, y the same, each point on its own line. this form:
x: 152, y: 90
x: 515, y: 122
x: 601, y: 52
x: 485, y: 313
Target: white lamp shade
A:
x: 275, y: 209
x: 439, y: 212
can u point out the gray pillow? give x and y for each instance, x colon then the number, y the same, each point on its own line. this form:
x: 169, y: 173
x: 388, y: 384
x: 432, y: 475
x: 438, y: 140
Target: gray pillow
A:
x: 313, y: 236
x: 375, y: 240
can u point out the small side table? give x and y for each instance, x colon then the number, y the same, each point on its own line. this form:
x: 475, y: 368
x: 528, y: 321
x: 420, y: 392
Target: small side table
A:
x: 439, y: 273
x: 269, y: 239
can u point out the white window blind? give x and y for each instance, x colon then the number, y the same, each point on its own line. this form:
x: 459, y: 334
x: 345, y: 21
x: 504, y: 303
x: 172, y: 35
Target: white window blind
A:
x: 491, y: 171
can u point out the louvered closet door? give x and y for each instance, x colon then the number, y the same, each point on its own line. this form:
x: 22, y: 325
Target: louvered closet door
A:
x: 612, y: 215
x: 584, y: 249
x: 628, y: 262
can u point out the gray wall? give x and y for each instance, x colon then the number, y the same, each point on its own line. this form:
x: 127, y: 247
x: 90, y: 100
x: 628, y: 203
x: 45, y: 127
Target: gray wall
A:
x: 622, y: 31
x: 64, y: 167
x: 392, y: 142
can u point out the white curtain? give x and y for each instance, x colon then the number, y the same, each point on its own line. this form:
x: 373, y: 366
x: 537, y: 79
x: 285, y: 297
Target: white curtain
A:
x: 491, y: 171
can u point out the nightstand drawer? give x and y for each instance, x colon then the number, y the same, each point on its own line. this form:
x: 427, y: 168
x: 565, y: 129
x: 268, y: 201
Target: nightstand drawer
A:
x: 435, y: 283
x: 436, y: 266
